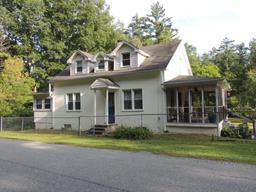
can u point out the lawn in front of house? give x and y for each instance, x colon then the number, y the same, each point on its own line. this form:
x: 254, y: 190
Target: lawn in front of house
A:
x: 196, y: 146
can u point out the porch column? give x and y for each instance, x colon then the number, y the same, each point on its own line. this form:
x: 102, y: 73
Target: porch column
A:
x: 217, y: 104
x: 95, y: 107
x: 202, y: 104
x: 106, y: 107
x: 189, y: 105
x: 177, y: 105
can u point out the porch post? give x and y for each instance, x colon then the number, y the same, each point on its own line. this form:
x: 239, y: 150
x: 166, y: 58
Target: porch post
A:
x: 177, y: 105
x: 95, y: 107
x: 217, y: 104
x: 106, y: 107
x: 202, y: 104
x: 189, y: 105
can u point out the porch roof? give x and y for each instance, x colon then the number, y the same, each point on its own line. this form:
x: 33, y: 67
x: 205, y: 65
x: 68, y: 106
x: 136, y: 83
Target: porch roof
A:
x: 41, y: 94
x: 102, y: 83
x: 188, y: 80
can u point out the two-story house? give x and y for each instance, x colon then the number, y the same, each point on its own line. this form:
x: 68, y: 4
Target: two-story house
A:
x: 151, y: 86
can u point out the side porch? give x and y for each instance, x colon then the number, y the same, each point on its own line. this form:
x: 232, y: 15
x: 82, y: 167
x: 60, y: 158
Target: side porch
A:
x: 196, y: 104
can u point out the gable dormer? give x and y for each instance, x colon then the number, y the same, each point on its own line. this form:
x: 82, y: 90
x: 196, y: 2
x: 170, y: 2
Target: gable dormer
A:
x: 103, y: 62
x: 80, y: 62
x: 126, y: 55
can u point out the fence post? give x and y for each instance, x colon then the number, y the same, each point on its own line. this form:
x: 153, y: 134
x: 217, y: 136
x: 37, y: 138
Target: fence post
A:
x: 254, y: 128
x: 1, y: 125
x: 79, y: 126
x: 22, y: 123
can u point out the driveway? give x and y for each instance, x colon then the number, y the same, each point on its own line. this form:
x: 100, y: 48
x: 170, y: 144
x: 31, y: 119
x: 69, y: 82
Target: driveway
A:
x: 36, y: 167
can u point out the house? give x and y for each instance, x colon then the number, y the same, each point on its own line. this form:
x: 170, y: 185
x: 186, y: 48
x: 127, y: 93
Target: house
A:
x: 151, y: 86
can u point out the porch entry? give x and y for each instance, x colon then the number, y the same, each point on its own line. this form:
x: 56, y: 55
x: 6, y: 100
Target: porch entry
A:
x: 108, y: 88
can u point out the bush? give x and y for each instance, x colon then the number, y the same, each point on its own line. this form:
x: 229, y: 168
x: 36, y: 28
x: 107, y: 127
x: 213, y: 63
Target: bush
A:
x: 242, y: 132
x: 123, y: 132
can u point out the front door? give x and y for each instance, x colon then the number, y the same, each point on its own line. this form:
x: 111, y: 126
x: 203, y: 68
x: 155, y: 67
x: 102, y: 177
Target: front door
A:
x: 111, y: 107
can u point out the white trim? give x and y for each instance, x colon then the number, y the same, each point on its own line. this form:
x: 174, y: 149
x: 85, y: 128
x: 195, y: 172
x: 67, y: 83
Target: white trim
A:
x: 43, y: 105
x: 106, y: 106
x: 133, y: 101
x: 73, y: 102
x: 126, y: 66
x: 177, y: 104
x: 76, y: 66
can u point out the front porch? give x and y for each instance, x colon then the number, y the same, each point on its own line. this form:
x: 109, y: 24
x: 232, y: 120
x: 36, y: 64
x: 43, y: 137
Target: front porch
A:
x: 196, y: 104
x: 104, y: 94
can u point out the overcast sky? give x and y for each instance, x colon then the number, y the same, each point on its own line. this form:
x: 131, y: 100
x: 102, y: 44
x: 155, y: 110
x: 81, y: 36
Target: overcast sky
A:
x: 203, y: 23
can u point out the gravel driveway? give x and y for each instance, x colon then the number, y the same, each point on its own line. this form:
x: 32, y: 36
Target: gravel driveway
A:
x: 36, y: 167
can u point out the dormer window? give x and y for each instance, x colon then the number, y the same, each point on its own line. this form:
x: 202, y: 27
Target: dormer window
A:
x: 101, y: 64
x: 79, y: 66
x: 126, y: 61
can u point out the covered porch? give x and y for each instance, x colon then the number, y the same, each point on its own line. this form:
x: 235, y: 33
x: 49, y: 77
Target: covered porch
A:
x: 195, y: 104
x: 104, y: 95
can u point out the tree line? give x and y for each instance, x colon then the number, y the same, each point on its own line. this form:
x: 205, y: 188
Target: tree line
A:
x: 38, y: 36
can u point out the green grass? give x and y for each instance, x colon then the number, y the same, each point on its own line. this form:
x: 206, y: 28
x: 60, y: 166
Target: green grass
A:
x: 196, y: 146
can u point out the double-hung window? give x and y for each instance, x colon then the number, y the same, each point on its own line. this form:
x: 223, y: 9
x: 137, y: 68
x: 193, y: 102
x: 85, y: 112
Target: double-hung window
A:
x: 73, y: 101
x: 132, y: 99
x: 79, y: 66
x: 127, y: 99
x: 43, y: 104
x: 47, y: 103
x: 39, y: 104
x: 126, y: 61
x: 138, y: 99
x: 101, y: 64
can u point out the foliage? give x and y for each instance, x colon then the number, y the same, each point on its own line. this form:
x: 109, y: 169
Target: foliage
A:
x: 15, y: 87
x: 123, y: 132
x: 153, y: 28
x: 242, y: 132
x: 201, y: 66
x: 45, y: 32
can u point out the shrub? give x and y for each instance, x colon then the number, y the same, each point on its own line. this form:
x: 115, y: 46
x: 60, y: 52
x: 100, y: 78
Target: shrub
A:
x: 242, y: 132
x: 124, y: 132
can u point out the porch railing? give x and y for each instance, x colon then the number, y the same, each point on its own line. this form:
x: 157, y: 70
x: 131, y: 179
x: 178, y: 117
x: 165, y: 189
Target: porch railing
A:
x: 208, y: 114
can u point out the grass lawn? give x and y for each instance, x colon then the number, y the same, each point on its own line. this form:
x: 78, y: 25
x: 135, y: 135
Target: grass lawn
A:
x: 176, y: 145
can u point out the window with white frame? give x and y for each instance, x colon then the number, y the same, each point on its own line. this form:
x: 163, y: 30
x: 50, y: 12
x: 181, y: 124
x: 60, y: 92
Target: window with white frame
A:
x: 79, y: 66
x: 43, y: 104
x: 47, y: 103
x: 39, y: 104
x: 127, y: 99
x: 126, y: 61
x: 138, y: 104
x: 132, y: 99
x: 101, y: 64
x: 73, y: 101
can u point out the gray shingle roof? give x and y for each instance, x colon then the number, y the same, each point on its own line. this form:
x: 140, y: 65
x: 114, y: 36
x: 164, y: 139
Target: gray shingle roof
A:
x: 186, y: 80
x: 160, y: 55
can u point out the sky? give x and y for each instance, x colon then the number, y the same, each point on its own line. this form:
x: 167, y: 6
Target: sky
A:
x: 202, y: 23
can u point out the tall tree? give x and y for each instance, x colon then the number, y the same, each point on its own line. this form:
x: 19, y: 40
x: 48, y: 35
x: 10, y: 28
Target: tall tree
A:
x: 153, y: 28
x: 15, y: 88
x: 160, y: 26
x: 46, y: 32
x: 201, y: 66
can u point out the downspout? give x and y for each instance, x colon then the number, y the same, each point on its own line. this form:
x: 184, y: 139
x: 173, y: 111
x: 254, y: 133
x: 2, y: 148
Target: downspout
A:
x: 163, y: 101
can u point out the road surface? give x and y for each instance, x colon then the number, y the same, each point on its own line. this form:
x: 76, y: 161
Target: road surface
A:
x: 35, y: 167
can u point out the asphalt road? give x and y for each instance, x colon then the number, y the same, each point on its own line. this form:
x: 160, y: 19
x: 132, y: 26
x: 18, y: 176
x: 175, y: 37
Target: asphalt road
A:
x: 35, y: 167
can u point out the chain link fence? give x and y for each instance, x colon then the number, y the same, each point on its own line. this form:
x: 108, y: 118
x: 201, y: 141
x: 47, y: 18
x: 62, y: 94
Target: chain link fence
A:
x: 16, y: 123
